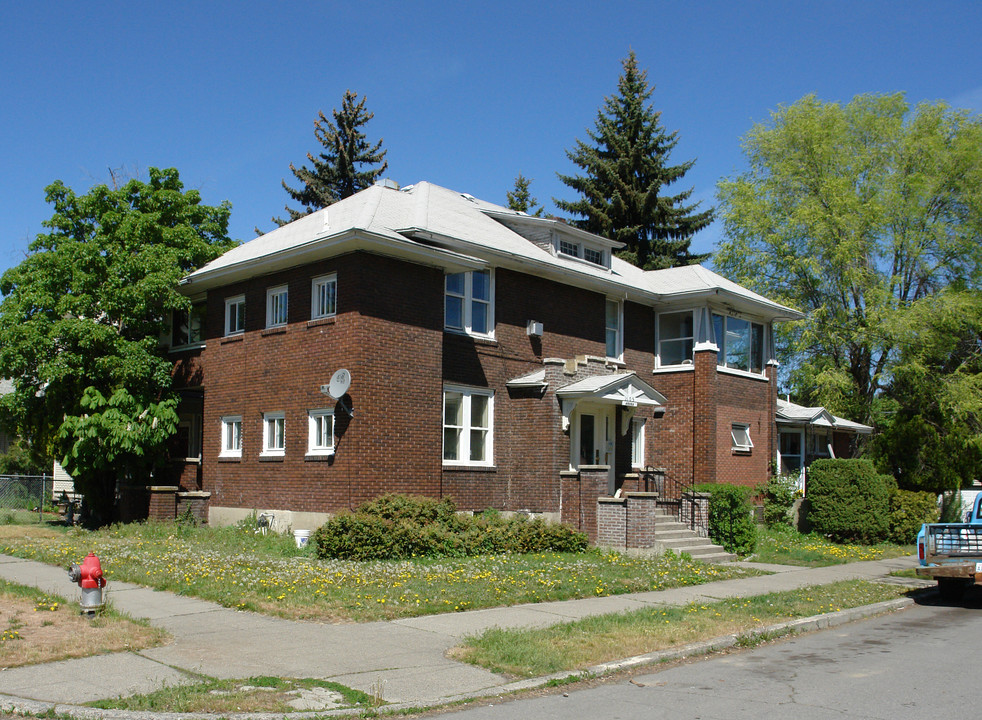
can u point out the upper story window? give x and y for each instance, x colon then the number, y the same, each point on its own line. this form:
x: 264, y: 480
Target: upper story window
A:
x: 187, y: 327
x: 274, y: 433
x: 324, y: 297
x: 594, y: 256
x: 468, y: 303
x: 740, y: 343
x: 615, y: 324
x: 235, y: 315
x: 676, y: 338
x: 569, y: 248
x: 467, y: 426
x: 232, y: 436
x: 276, y: 306
x: 320, y: 432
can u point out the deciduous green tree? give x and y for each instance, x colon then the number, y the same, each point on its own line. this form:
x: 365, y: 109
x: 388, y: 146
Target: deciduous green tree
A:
x: 81, y: 321
x: 852, y: 213
x: 520, y: 199
x: 348, y: 163
x: 626, y: 174
x: 931, y: 421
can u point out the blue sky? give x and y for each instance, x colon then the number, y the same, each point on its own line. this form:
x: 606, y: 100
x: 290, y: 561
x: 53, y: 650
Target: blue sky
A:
x: 465, y: 95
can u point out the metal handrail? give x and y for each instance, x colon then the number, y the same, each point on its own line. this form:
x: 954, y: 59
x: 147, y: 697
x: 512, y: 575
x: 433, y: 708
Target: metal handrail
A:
x: 670, y: 491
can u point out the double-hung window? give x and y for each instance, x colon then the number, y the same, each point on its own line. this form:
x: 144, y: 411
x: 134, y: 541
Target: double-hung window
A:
x: 740, y: 343
x: 615, y: 336
x: 235, y: 315
x: 276, y: 306
x: 467, y: 426
x: 187, y: 326
x: 468, y: 305
x: 676, y: 337
x: 274, y: 433
x: 320, y: 432
x: 740, y: 433
x: 324, y: 297
x: 231, y: 436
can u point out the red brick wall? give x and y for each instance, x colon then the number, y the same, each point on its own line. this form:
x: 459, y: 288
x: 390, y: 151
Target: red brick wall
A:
x: 748, y: 401
x: 393, y: 442
x: 389, y: 334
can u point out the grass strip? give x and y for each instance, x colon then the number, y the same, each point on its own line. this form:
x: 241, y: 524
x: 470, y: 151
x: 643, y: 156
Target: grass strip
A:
x: 257, y: 694
x: 786, y: 547
x: 604, y: 638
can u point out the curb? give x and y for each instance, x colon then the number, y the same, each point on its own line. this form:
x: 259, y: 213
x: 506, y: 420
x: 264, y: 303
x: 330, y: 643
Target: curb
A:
x: 10, y: 704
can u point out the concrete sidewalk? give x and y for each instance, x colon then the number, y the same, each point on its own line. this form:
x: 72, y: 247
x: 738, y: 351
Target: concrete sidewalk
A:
x: 406, y: 658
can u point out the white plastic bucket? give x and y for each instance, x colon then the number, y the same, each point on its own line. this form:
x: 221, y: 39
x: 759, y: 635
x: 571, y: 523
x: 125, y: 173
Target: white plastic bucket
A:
x: 301, y: 537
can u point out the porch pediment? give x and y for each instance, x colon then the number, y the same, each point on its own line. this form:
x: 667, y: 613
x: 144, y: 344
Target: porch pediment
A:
x: 624, y: 389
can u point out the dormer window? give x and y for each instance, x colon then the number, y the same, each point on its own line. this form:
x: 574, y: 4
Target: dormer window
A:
x: 569, y: 248
x: 592, y: 255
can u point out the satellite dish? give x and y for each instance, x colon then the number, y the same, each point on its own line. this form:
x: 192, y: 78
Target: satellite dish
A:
x: 340, y: 382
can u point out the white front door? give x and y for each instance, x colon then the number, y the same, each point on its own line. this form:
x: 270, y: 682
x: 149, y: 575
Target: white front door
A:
x: 592, y: 441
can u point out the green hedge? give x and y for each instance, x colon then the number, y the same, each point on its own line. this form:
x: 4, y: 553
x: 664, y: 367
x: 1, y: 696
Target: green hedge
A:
x: 731, y: 521
x: 849, y: 501
x: 908, y: 511
x: 779, y: 494
x: 404, y: 526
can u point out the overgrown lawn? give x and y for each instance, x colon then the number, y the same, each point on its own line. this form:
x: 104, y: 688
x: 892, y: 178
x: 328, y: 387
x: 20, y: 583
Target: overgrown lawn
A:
x: 786, y: 547
x: 238, y: 568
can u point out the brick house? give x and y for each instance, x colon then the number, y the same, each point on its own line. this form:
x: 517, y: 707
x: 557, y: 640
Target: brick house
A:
x: 806, y: 434
x: 508, y: 361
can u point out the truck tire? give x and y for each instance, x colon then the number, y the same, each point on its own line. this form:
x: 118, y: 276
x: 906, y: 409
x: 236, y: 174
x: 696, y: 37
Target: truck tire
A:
x: 951, y: 589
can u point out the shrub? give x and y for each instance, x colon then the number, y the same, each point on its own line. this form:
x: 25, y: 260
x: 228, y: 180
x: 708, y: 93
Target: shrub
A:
x: 731, y: 522
x: 403, y: 526
x: 779, y: 494
x: 908, y: 511
x: 848, y: 501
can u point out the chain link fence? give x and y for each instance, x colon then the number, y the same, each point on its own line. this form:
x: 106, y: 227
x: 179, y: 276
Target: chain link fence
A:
x: 27, y: 495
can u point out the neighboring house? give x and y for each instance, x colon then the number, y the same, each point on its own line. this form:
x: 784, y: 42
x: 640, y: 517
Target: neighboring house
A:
x: 508, y: 361
x: 806, y: 434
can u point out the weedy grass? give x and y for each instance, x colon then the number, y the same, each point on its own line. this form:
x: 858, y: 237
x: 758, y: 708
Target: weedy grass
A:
x: 238, y: 568
x: 258, y: 694
x: 604, y: 638
x: 787, y: 547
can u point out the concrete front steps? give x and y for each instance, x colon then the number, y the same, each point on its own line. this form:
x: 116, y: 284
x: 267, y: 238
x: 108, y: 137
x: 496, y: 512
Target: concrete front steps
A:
x: 672, y: 535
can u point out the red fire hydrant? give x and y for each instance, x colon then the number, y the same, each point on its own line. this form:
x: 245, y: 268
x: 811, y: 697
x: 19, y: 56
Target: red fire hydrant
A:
x: 89, y: 578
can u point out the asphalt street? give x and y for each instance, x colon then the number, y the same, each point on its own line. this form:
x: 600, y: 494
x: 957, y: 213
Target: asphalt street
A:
x: 911, y: 664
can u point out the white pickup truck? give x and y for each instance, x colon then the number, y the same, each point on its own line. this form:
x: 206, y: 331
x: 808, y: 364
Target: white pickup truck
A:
x: 952, y: 553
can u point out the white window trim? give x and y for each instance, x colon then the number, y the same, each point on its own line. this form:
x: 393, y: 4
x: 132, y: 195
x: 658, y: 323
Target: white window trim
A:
x: 200, y: 342
x: 575, y: 246
x: 269, y: 420
x: 331, y: 279
x: 272, y: 295
x: 227, y: 449
x: 721, y: 346
x: 619, y: 356
x: 637, y: 442
x: 463, y: 454
x: 238, y: 300
x: 686, y: 362
x: 743, y: 428
x: 312, y: 447
x: 467, y: 310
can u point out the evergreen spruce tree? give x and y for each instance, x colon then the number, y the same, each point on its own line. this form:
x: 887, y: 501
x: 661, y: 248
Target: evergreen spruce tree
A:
x: 626, y: 173
x: 520, y: 199
x: 336, y: 173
